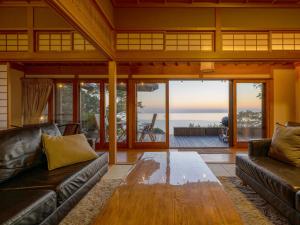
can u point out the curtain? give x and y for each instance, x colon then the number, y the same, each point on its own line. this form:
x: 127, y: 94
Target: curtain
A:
x: 35, y: 97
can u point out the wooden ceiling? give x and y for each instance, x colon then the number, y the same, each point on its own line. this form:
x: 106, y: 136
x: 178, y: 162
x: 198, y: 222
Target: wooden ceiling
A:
x: 206, y: 3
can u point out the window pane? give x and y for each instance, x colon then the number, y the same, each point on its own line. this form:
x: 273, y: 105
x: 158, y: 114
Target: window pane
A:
x: 249, y: 111
x: 121, y: 112
x: 151, y: 112
x: 64, y: 103
x: 90, y: 110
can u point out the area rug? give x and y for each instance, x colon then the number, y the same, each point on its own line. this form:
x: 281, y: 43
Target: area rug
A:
x: 89, y: 206
x: 252, y: 208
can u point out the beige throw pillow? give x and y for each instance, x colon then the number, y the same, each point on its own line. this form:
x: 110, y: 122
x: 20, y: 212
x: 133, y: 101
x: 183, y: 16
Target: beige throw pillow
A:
x: 67, y: 150
x: 285, y: 145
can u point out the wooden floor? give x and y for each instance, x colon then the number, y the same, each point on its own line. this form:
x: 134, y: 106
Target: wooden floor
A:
x: 196, y: 142
x: 168, y: 188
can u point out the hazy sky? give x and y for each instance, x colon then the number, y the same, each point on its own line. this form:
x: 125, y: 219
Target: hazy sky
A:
x: 198, y: 96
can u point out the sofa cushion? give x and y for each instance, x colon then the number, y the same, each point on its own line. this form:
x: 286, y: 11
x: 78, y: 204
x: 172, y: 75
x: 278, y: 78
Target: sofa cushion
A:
x: 280, y: 178
x: 64, y: 181
x: 26, y: 207
x: 67, y: 150
x: 20, y: 149
x: 285, y: 145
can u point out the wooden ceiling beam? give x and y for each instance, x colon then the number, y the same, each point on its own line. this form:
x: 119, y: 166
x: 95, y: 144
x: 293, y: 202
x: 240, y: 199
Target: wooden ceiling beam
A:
x: 52, y: 57
x: 24, y: 3
x: 85, y: 17
x: 194, y: 4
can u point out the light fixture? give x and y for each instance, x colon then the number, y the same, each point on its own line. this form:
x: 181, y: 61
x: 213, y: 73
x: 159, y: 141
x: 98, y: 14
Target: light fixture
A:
x: 60, y: 85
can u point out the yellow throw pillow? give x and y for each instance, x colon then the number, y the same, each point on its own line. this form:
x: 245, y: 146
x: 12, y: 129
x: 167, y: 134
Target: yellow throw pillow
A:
x: 285, y: 145
x: 67, y: 150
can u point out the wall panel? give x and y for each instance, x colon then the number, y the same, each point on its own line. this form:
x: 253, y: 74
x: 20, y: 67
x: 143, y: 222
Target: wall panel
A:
x: 47, y: 18
x: 13, y: 17
x: 160, y: 18
x: 273, y: 18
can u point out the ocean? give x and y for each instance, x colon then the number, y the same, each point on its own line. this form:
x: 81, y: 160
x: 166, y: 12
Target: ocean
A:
x: 183, y: 119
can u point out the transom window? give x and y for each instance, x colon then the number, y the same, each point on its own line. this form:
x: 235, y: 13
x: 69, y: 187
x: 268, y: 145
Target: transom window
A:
x: 189, y: 41
x: 245, y: 42
x: 286, y: 41
x: 13, y: 42
x: 140, y: 41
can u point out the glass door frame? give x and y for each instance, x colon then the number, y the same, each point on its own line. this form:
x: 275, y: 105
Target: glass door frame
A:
x: 76, y: 106
x: 101, y: 85
x: 119, y: 144
x: 266, y: 105
x: 135, y: 143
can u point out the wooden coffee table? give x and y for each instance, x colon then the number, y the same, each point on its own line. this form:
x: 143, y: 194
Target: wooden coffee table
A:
x: 170, y: 188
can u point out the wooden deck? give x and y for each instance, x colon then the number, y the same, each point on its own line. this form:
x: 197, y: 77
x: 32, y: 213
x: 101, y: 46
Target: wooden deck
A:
x: 196, y: 142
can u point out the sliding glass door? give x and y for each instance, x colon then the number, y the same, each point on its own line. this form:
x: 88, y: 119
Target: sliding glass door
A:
x: 151, y: 113
x: 121, y: 116
x: 64, y: 103
x: 90, y: 109
x: 249, y: 111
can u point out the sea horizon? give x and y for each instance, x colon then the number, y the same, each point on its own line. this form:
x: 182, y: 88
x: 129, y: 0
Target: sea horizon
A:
x: 184, y: 119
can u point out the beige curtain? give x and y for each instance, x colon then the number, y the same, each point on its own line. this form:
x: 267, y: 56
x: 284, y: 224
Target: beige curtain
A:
x: 35, y: 97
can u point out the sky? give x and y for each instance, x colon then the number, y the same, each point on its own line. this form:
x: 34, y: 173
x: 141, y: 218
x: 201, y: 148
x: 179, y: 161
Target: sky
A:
x: 199, y: 96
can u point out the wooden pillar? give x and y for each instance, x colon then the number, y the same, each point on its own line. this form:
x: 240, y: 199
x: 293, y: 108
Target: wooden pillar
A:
x: 297, y: 91
x: 218, y: 33
x: 30, y: 23
x: 112, y: 77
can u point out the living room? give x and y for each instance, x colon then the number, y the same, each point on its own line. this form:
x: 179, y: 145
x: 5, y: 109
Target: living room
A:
x: 149, y: 112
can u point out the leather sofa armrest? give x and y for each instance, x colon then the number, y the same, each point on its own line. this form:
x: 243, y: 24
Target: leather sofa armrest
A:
x: 297, y: 201
x: 259, y: 147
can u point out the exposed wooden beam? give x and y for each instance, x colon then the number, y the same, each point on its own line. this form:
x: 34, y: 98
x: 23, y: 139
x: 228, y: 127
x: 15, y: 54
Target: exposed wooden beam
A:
x: 195, y: 56
x: 85, y: 17
x: 205, y: 5
x: 22, y: 3
x: 92, y: 56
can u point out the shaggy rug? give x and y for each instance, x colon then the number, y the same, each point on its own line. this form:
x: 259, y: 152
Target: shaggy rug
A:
x: 252, y: 208
x: 91, y: 204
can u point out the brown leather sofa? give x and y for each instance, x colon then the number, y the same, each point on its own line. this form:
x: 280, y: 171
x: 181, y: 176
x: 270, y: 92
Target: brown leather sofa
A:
x: 275, y: 181
x: 29, y: 193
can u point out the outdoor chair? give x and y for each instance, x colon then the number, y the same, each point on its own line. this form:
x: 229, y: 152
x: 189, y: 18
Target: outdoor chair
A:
x: 70, y: 128
x: 224, y: 134
x: 148, y: 129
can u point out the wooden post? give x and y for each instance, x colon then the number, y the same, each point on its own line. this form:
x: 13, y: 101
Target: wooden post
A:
x: 112, y: 77
x: 297, y: 65
x: 218, y: 33
x: 30, y: 22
